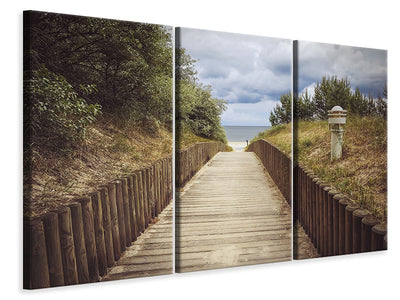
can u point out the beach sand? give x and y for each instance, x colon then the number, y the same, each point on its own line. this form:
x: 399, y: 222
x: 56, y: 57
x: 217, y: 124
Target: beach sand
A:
x: 237, y: 146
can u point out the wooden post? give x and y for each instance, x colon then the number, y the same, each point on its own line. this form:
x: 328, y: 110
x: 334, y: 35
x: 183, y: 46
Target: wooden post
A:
x: 377, y: 240
x: 90, y: 238
x: 112, y: 195
x: 164, y: 183
x: 120, y: 215
x: 127, y: 211
x: 335, y: 222
x: 358, y: 215
x: 170, y: 178
x: 366, y: 232
x: 136, y: 200
x: 53, y: 249
x: 139, y: 189
x: 145, y: 197
x: 132, y: 209
x: 326, y: 221
x: 349, y: 227
x: 342, y: 224
x: 157, y: 183
x: 108, y: 236
x: 385, y: 242
x: 320, y: 245
x: 307, y: 223
x: 303, y: 197
x: 317, y: 213
x: 79, y: 242
x: 36, y: 271
x: 314, y: 207
x: 150, y: 183
x: 67, y: 246
x: 331, y: 194
x: 99, y: 232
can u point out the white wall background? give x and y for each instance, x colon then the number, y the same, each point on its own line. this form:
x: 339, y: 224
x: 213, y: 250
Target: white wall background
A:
x: 366, y: 24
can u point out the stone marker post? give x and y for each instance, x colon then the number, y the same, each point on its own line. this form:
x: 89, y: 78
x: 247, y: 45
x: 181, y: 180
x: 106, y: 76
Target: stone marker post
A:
x: 337, y: 119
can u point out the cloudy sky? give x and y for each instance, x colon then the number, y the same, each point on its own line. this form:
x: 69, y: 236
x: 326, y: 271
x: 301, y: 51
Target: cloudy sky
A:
x: 364, y: 67
x: 249, y: 72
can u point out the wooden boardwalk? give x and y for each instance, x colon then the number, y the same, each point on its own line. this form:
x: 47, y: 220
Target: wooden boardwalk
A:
x: 151, y: 254
x: 231, y: 214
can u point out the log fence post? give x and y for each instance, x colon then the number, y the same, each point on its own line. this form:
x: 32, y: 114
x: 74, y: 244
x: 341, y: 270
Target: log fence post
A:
x: 90, y: 239
x: 108, y: 236
x: 379, y: 232
x: 53, y: 249
x: 358, y: 215
x: 349, y: 227
x: 67, y: 246
x: 366, y: 232
x: 79, y: 242
x: 36, y: 270
x: 99, y: 232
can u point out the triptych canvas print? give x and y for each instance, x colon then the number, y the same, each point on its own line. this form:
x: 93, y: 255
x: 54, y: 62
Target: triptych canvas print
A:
x: 270, y: 150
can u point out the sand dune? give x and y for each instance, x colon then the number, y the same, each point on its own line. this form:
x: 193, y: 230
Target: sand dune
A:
x: 237, y: 146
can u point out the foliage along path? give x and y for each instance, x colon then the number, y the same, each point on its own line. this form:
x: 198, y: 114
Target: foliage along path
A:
x: 230, y: 214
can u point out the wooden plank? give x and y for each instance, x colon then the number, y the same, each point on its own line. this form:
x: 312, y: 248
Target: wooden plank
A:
x: 231, y: 214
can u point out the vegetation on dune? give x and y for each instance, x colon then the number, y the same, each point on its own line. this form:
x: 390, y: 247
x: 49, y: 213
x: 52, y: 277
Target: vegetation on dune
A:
x: 279, y: 135
x: 97, y: 103
x: 361, y: 173
x: 197, y: 111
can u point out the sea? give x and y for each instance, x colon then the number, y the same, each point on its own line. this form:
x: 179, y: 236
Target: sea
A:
x: 243, y: 133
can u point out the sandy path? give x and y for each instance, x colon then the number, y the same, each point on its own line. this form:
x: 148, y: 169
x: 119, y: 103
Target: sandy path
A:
x: 238, y: 146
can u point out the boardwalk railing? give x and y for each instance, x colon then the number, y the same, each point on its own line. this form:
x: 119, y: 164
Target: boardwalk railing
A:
x: 191, y: 159
x: 335, y: 224
x: 76, y: 243
x: 278, y: 165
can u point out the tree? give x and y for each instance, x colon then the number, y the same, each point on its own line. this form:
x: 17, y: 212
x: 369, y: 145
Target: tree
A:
x: 282, y: 112
x: 129, y: 63
x: 55, y: 110
x: 381, y: 104
x: 331, y: 92
x: 304, y: 107
x: 196, y: 109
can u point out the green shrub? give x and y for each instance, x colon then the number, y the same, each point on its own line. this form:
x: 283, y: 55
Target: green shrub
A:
x: 54, y: 109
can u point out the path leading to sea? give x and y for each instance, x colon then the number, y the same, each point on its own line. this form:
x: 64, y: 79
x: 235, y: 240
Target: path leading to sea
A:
x: 230, y: 214
x: 238, y: 146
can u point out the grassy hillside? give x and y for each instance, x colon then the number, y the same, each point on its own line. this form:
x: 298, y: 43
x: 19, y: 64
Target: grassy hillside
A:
x: 108, y: 152
x: 362, y: 171
x: 186, y: 137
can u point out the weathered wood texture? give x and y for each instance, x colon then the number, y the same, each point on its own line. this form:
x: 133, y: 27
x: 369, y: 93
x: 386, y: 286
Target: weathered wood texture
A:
x: 278, y: 165
x: 77, y: 242
x: 151, y: 254
x: 334, y: 223
x: 231, y: 214
x: 191, y: 159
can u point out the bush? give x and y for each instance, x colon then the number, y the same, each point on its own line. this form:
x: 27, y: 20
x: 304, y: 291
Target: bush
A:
x: 54, y: 110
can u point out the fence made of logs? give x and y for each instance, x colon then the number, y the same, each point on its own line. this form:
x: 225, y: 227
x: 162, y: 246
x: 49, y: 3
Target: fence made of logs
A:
x: 277, y: 163
x: 193, y: 158
x: 79, y: 241
x: 335, y: 224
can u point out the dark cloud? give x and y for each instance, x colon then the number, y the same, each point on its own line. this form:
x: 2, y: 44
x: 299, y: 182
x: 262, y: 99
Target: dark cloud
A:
x: 365, y: 68
x: 241, y: 68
